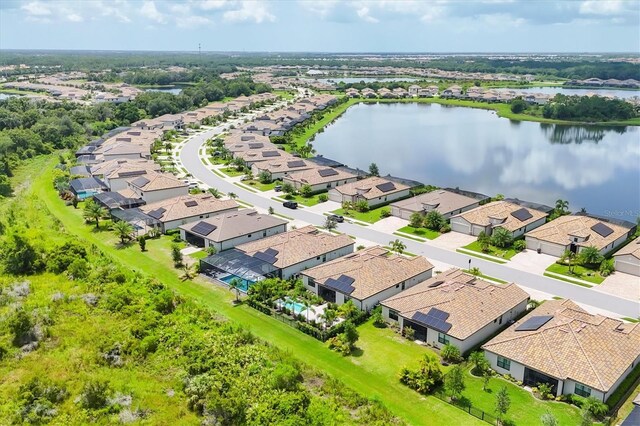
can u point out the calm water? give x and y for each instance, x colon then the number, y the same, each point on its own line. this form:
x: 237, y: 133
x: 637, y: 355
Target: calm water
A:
x: 4, y: 96
x: 622, y: 94
x: 175, y: 90
x: 595, y: 168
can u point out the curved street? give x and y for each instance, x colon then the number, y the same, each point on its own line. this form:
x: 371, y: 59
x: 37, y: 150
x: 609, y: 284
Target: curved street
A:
x: 190, y: 159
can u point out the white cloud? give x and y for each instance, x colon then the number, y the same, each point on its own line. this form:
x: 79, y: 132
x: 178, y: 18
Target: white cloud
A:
x: 252, y: 11
x: 36, y: 8
x: 363, y: 13
x: 74, y: 17
x: 601, y: 7
x: 150, y: 11
x: 191, y: 21
x: 319, y: 8
x: 212, y: 4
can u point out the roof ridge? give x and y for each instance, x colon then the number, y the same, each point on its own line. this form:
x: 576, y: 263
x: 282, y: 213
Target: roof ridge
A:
x: 585, y: 354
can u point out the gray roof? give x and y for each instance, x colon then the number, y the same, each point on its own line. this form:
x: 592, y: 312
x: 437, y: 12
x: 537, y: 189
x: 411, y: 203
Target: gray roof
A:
x: 530, y: 205
x: 82, y: 170
x: 326, y: 162
x: 234, y: 224
x: 82, y: 184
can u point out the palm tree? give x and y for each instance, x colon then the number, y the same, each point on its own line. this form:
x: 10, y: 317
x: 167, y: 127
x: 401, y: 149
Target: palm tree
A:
x: 397, y: 246
x: 93, y: 212
x: 329, y: 316
x: 236, y: 284
x: 568, y: 257
x: 330, y: 224
x: 123, y: 230
x: 215, y: 192
x: 562, y: 206
x: 501, y: 237
x: 167, y: 147
x: 307, y: 307
x: 232, y: 195
x: 188, y: 273
x: 590, y: 255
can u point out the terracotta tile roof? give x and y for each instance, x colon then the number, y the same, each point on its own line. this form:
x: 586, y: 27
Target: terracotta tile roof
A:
x: 239, y: 137
x: 500, y: 211
x: 298, y: 245
x: 368, y: 188
x: 282, y: 165
x: 440, y: 200
x: 153, y: 181
x: 373, y: 269
x: 314, y: 176
x: 633, y: 248
x: 590, y: 349
x: 237, y: 223
x: 264, y: 155
x: 187, y: 206
x: 132, y: 169
x: 560, y: 231
x: 471, y: 302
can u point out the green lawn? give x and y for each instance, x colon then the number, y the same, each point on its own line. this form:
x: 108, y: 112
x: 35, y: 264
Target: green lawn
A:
x: 371, y: 216
x: 328, y: 117
x: 420, y: 232
x: 506, y: 254
x: 525, y: 408
x: 305, y: 201
x: 579, y: 272
x: 362, y: 373
x: 261, y: 186
x: 199, y: 254
x: 231, y: 172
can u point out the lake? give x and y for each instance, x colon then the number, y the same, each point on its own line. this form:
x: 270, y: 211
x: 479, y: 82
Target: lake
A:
x: 622, y: 94
x: 174, y: 90
x: 592, y: 167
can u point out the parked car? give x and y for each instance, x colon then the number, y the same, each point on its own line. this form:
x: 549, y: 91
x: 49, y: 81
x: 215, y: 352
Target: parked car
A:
x: 290, y: 205
x: 337, y: 218
x: 277, y: 188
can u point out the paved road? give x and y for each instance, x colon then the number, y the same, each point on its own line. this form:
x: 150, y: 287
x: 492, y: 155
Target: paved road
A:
x: 624, y: 307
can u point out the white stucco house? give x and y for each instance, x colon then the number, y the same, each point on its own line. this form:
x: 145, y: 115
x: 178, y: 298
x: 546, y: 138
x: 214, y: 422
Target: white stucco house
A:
x: 498, y: 214
x: 376, y: 191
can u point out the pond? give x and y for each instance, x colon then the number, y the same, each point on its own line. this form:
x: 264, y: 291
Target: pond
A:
x: 622, y: 94
x: 174, y: 90
x: 592, y: 167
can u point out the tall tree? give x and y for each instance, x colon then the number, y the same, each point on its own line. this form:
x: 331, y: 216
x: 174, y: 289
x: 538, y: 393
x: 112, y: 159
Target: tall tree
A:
x: 123, y: 230
x: 397, y: 246
x: 503, y: 402
x: 454, y: 382
x: 93, y: 212
x: 373, y: 170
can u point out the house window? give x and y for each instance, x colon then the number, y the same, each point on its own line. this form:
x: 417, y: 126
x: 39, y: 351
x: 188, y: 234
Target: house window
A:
x: 264, y: 233
x: 249, y: 236
x: 393, y: 315
x: 201, y: 216
x: 443, y: 338
x: 311, y: 283
x: 318, y: 258
x: 582, y: 390
x: 403, y: 286
x: 328, y: 185
x: 504, y: 363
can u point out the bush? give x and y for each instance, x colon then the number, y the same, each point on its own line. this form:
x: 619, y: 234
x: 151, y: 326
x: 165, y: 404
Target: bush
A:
x: 597, y: 408
x: 445, y: 228
x: 95, y: 394
x: 425, y: 378
x: 409, y: 333
x: 519, y: 245
x: 606, y: 267
x: 450, y: 353
x: 362, y: 206
x: 384, y: 213
x: 323, y: 198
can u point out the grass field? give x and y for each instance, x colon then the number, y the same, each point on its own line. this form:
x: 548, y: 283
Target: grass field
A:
x: 261, y: 186
x: 579, y: 272
x: 371, y: 216
x: 305, y: 201
x: 493, y: 250
x: 231, y: 172
x: 420, y: 232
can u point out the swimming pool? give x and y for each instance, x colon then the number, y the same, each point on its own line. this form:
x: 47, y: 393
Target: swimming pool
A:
x: 244, y: 283
x: 295, y: 307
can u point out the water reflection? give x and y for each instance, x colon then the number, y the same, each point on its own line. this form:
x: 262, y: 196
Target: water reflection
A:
x: 592, y: 167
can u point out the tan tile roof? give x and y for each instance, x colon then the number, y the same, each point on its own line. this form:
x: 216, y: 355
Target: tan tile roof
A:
x: 252, y: 146
x: 313, y: 176
x: 281, y: 165
x: 298, y: 245
x: 125, y: 169
x: 106, y: 167
x: 237, y: 223
x: 471, y: 302
x: 560, y: 230
x: 633, y: 248
x: 440, y: 200
x: 590, y: 349
x: 367, y: 188
x: 156, y: 182
x: 258, y: 155
x: 373, y: 269
x: 500, y: 210
x: 236, y: 138
x: 180, y: 207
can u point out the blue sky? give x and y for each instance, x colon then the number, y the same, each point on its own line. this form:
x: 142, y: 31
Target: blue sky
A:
x: 329, y: 26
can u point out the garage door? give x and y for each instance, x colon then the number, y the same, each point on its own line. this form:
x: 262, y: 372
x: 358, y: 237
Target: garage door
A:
x: 626, y: 266
x: 460, y: 226
x: 335, y: 196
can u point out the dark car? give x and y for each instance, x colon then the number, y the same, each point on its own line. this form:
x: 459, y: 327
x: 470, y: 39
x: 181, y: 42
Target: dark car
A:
x: 337, y: 218
x: 277, y: 188
x: 290, y: 205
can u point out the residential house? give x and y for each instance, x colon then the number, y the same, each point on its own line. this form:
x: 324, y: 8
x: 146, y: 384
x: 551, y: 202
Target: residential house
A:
x: 294, y: 251
x: 566, y: 347
x: 367, y: 92
x: 258, y: 155
x: 87, y: 187
x: 385, y: 93
x: 374, y: 190
x: 352, y: 93
x: 280, y: 168
x: 575, y: 232
x: 445, y: 202
x: 173, y: 212
x: 457, y: 308
x: 228, y: 230
x: 366, y: 277
x: 414, y: 89
x: 400, y: 92
x: 498, y: 214
x: 454, y: 91
x: 117, y: 177
x: 627, y: 259
x: 152, y: 186
x: 320, y: 179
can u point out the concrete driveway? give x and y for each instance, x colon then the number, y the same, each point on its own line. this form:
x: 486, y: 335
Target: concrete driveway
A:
x: 453, y: 240
x: 621, y: 285
x: 531, y: 261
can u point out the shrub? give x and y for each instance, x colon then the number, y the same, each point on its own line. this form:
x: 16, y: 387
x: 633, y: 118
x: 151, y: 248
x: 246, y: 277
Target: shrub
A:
x: 95, y: 394
x: 425, y: 378
x: 606, y: 267
x: 501, y: 238
x: 376, y: 315
x: 519, y: 245
x: 597, y: 408
x: 323, y: 198
x: 78, y: 269
x: 385, y: 213
x: 37, y: 399
x: 305, y: 191
x: 286, y: 377
x: 545, y: 390
x: 362, y: 206
x: 450, y: 353
x: 409, y: 333
x: 416, y: 219
x: 445, y: 228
